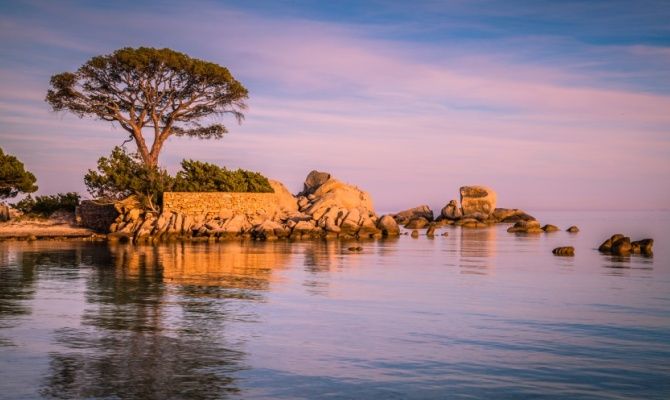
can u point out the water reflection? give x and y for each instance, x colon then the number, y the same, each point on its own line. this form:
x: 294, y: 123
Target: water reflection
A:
x: 156, y: 318
x: 477, y: 249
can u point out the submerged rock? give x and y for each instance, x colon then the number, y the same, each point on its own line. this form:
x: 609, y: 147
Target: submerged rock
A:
x: 564, y: 251
x: 550, y: 228
x: 526, y: 227
x: 511, y: 215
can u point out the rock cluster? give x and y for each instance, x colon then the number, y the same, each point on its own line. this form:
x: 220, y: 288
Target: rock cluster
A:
x: 326, y: 208
x: 477, y: 209
x: 621, y: 245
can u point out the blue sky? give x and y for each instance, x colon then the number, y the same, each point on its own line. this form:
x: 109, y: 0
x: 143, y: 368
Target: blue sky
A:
x: 553, y: 104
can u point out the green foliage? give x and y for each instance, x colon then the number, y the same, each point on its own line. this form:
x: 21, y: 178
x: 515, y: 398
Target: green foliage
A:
x: 162, y: 90
x: 47, y: 205
x: 121, y: 175
x: 14, y: 179
x: 198, y: 176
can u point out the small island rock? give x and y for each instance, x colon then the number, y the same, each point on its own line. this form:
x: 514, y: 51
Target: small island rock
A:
x: 564, y: 251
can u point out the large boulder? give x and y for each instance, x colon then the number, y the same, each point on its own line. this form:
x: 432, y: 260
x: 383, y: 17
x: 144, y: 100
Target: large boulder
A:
x: 388, y: 226
x: 423, y: 211
x: 313, y: 181
x: 477, y: 199
x: 451, y: 211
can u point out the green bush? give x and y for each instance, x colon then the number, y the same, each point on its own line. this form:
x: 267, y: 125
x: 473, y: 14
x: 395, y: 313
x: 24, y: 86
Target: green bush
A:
x: 198, y: 176
x: 47, y: 205
x: 122, y: 174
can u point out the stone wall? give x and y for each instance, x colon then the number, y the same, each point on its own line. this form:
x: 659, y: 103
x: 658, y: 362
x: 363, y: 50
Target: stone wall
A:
x: 97, y: 216
x: 213, y: 203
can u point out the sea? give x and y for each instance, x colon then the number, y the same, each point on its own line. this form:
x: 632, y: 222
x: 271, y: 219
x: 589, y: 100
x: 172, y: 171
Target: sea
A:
x: 475, y: 314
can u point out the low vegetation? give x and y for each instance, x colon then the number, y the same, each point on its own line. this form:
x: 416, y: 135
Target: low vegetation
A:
x: 46, y: 205
x: 123, y: 174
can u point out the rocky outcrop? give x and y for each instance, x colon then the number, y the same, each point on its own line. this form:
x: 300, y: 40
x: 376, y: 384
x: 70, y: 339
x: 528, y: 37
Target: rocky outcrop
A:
x: 326, y: 208
x: 477, y: 199
x: 621, y: 245
x: 338, y: 208
x: 564, y: 251
x: 404, y: 217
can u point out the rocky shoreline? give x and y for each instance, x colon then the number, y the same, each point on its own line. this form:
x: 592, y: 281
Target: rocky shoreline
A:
x: 326, y: 208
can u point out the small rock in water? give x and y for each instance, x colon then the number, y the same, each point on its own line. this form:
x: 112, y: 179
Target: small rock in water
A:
x: 573, y: 229
x: 564, y: 251
x: 415, y: 233
x: 644, y: 246
x: 431, y: 230
x: 445, y: 233
x: 550, y: 228
x: 621, y: 247
x: 357, y: 248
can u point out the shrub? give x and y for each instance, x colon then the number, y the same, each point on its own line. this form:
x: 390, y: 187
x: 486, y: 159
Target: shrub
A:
x: 198, y: 176
x: 121, y: 175
x: 47, y: 205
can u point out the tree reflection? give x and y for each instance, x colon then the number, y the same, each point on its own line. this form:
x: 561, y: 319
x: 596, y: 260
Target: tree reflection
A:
x: 156, y: 321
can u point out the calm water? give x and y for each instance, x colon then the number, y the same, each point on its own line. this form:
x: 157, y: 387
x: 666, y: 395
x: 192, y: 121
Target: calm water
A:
x: 478, y: 314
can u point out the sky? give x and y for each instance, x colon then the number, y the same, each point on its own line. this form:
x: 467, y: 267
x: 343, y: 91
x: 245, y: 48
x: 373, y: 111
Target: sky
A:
x: 555, y: 105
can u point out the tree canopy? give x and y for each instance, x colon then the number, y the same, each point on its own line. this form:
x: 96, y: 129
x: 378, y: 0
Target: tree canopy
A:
x: 156, y: 91
x: 14, y: 178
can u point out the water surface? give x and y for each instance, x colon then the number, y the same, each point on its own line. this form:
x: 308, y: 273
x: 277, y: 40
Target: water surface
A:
x: 477, y: 314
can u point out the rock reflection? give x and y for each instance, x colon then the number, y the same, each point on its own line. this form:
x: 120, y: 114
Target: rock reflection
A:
x: 477, y: 249
x: 156, y: 321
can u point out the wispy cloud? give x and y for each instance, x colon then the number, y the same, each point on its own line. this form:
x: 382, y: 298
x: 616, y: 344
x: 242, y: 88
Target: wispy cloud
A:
x: 396, y: 116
